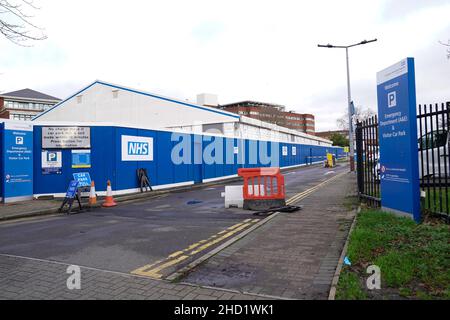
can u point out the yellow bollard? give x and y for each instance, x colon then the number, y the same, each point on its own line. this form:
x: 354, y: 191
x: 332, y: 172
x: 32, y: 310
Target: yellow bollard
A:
x: 330, y: 160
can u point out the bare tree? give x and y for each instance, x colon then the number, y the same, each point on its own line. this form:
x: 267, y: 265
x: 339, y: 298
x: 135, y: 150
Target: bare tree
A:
x: 447, y: 45
x: 15, y: 22
x: 361, y: 114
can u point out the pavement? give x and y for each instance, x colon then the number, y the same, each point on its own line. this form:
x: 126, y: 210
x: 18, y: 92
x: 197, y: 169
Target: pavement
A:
x: 128, y: 252
x: 293, y: 256
x: 28, y: 208
x: 25, y: 278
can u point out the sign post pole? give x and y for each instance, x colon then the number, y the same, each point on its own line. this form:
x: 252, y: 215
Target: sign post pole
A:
x: 399, y: 168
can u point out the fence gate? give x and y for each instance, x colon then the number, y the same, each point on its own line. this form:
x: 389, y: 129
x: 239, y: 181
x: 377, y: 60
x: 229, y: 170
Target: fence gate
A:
x: 367, y: 165
x: 434, y: 157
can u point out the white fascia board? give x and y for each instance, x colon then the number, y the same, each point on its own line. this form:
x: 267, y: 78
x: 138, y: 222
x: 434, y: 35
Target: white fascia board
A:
x: 391, y: 72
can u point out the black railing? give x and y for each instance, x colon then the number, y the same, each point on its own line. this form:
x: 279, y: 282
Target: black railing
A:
x: 368, y: 167
x: 434, y: 157
x: 433, y: 125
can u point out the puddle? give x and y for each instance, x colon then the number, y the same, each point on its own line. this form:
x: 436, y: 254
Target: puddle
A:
x: 193, y: 202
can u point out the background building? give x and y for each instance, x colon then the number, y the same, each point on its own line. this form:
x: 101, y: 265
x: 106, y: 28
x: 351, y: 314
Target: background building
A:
x: 273, y: 113
x: 25, y: 104
x: 328, y: 134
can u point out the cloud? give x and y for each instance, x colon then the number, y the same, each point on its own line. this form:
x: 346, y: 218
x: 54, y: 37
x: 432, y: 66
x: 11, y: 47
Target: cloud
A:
x: 398, y: 9
x: 207, y: 31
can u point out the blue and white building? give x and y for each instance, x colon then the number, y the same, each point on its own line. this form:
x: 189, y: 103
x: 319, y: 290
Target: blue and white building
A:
x: 110, y: 131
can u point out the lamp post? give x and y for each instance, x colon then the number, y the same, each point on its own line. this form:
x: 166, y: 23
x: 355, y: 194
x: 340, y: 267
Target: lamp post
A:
x: 349, y: 96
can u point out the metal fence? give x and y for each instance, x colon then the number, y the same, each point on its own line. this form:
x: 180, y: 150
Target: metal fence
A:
x: 367, y: 164
x: 433, y: 124
x: 434, y: 157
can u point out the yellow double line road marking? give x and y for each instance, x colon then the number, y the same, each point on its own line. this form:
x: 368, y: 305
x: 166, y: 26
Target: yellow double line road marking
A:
x: 305, y: 193
x: 154, y: 270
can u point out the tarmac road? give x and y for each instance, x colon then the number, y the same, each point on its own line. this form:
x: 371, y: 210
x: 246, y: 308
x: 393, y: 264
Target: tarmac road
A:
x: 153, y: 238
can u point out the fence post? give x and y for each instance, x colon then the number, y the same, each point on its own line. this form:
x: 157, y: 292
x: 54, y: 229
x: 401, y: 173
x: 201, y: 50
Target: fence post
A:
x: 359, y: 158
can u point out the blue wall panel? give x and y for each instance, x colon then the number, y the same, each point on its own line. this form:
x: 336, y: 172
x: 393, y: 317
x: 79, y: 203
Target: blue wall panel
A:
x: 102, y: 162
x: 162, y: 148
x: 106, y: 160
x: 125, y: 176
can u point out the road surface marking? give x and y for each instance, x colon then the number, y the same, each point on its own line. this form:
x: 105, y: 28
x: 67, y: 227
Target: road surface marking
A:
x: 206, y: 245
x: 154, y: 273
x: 176, y: 254
x: 307, y: 192
x: 154, y: 270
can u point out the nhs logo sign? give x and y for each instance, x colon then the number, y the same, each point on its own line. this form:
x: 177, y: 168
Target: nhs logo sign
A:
x: 137, y: 148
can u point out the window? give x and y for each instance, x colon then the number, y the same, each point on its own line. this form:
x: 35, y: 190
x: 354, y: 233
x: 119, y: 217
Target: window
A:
x: 115, y: 94
x: 21, y: 117
x: 434, y: 139
x: 79, y: 99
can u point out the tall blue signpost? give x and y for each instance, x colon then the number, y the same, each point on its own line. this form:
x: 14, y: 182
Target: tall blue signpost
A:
x: 399, y: 168
x: 17, y: 154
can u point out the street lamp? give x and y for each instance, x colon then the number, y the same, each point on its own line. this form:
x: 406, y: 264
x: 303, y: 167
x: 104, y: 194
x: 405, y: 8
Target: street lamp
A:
x: 350, y: 113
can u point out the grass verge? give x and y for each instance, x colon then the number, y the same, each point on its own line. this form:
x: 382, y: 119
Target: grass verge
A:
x: 414, y: 259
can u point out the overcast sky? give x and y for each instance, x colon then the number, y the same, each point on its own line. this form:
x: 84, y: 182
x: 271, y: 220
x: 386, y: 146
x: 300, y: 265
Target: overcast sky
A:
x: 241, y: 50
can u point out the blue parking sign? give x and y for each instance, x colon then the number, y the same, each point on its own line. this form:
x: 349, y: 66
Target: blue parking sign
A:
x: 72, y: 189
x: 16, y: 162
x: 399, y: 168
x: 83, y: 178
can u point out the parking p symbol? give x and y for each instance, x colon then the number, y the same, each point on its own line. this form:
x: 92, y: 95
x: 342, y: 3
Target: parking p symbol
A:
x: 51, y: 156
x: 392, y: 99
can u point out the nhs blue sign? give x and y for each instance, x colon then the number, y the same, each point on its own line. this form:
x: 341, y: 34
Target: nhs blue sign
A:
x: 137, y: 148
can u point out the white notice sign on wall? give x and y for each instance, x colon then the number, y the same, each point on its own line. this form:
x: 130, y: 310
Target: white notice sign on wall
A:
x: 66, y: 137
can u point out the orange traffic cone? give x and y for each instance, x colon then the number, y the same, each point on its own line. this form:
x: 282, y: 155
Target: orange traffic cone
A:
x: 92, y: 195
x: 109, y: 200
